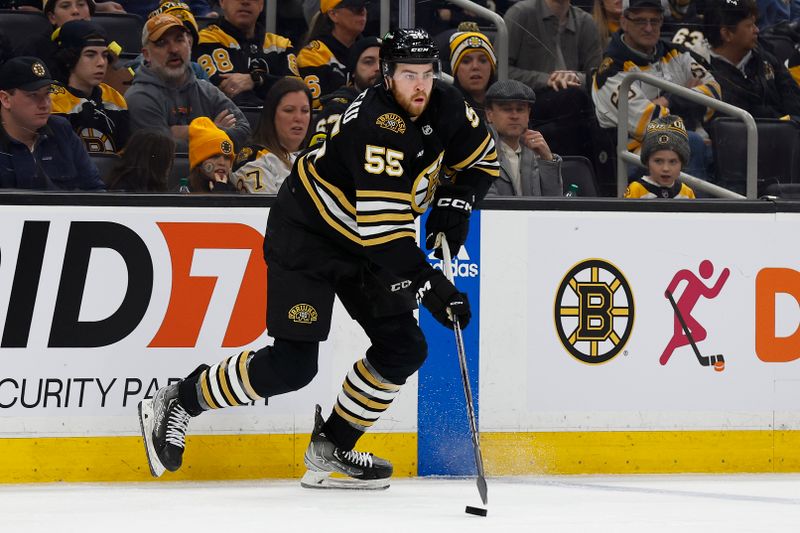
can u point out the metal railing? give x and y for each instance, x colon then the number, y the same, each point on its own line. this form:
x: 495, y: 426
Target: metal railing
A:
x: 624, y: 156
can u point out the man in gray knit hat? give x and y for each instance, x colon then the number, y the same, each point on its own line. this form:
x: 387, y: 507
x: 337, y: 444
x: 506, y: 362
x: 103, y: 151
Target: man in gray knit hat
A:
x: 665, y: 151
x: 527, y: 166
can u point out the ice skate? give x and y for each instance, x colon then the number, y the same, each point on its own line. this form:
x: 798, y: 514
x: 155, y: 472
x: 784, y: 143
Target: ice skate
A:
x: 331, y: 467
x: 164, y: 422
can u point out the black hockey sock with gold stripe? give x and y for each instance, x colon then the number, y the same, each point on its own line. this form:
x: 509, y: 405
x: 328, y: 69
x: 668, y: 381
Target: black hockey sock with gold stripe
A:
x: 365, y: 395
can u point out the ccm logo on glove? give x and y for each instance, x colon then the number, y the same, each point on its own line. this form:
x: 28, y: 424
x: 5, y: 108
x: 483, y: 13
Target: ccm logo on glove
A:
x: 455, y: 203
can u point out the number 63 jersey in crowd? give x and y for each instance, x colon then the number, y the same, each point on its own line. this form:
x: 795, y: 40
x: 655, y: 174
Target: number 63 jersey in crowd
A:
x: 378, y: 170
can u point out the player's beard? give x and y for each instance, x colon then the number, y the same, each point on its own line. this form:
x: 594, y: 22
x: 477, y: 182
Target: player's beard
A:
x: 412, y: 108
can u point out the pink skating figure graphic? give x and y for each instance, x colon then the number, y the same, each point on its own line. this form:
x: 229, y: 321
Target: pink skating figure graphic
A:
x: 695, y: 288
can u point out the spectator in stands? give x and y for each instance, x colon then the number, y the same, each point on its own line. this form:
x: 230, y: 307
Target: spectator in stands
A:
x: 552, y: 44
x: 639, y: 48
x: 240, y: 57
x: 473, y: 64
x: 683, y: 24
x: 210, y: 158
x: 665, y: 150
x: 98, y: 113
x: 103, y: 6
x: 323, y: 61
x: 167, y: 96
x: 199, y: 8
x: 606, y: 14
x: 750, y: 77
x: 771, y: 12
x: 364, y: 66
x: 38, y: 150
x: 144, y: 163
x: 527, y: 166
x: 282, y: 130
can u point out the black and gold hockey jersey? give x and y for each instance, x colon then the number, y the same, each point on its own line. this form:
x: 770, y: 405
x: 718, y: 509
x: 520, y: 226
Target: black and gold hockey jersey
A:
x: 645, y: 189
x: 100, y: 119
x: 323, y: 66
x: 224, y: 49
x: 378, y: 171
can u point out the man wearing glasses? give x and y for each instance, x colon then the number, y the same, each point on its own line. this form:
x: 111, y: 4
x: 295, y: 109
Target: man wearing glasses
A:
x: 638, y: 47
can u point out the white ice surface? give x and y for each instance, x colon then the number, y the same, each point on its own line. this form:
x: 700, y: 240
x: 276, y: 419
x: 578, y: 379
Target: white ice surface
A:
x: 714, y: 503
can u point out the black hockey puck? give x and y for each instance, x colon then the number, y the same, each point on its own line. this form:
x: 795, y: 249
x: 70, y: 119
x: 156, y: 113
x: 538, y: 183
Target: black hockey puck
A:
x: 476, y: 511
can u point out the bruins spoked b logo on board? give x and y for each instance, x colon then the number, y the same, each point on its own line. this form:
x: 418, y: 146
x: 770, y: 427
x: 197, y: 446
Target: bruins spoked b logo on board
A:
x: 594, y: 311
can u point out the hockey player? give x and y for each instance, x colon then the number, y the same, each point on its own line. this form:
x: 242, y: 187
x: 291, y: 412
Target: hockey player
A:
x: 343, y: 225
x: 665, y: 150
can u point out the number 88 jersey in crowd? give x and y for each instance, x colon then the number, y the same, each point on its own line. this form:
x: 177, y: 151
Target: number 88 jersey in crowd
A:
x: 378, y: 170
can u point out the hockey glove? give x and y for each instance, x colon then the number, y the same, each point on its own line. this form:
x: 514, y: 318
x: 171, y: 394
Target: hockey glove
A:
x: 443, y: 300
x: 452, y: 205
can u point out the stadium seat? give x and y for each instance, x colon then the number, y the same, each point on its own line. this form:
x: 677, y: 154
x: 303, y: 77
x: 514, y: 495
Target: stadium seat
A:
x: 105, y: 164
x: 180, y: 169
x: 578, y: 170
x: 125, y: 29
x: 23, y: 26
x: 778, y: 152
x: 253, y: 115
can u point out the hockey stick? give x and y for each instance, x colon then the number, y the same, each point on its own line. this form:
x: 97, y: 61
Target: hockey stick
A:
x: 717, y: 360
x: 462, y: 361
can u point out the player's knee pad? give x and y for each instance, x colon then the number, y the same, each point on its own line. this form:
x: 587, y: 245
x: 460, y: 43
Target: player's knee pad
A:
x: 402, y: 356
x: 227, y: 383
x: 365, y: 395
x: 284, y: 367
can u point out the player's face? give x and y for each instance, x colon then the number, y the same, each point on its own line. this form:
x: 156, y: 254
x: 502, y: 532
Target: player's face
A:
x: 745, y: 34
x: 169, y: 56
x: 474, y: 72
x: 509, y: 119
x: 242, y: 13
x: 411, y: 86
x: 90, y: 70
x: 642, y: 28
x: 27, y: 109
x: 217, y: 168
x: 292, y: 117
x: 66, y: 10
x: 664, y: 167
x: 367, y: 68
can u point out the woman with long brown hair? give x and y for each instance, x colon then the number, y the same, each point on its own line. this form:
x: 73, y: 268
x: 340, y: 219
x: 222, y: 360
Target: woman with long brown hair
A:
x: 144, y: 163
x: 282, y: 129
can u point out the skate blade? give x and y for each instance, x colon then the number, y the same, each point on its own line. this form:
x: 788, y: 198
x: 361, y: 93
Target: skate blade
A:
x: 146, y: 423
x: 324, y: 480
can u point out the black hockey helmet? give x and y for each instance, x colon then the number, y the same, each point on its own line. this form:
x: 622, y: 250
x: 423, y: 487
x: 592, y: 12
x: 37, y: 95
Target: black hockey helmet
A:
x: 412, y: 45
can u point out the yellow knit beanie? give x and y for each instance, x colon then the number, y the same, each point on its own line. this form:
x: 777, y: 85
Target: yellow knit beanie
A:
x: 207, y: 140
x: 464, y: 42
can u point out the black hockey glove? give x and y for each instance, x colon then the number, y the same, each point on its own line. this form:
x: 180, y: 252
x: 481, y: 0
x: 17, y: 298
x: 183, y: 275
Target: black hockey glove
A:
x: 452, y: 205
x: 442, y: 299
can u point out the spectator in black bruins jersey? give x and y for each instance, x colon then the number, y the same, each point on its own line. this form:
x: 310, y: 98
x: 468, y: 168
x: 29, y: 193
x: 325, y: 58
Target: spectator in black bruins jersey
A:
x: 665, y: 150
x: 210, y: 158
x: 282, y: 129
x: 362, y: 62
x: 750, y: 77
x: 144, y: 164
x: 344, y: 225
x: 473, y: 64
x: 240, y: 57
x: 98, y: 113
x: 167, y: 96
x: 323, y: 61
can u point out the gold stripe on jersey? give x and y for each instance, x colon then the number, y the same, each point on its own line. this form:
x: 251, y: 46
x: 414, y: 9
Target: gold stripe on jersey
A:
x: 317, y: 54
x: 388, y: 217
x: 112, y: 99
x: 403, y: 196
x: 335, y: 191
x: 65, y: 103
x: 214, y: 34
x: 276, y: 43
x: 327, y: 210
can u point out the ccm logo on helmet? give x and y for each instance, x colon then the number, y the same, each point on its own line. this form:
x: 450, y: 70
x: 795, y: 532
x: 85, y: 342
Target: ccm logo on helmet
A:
x: 455, y: 203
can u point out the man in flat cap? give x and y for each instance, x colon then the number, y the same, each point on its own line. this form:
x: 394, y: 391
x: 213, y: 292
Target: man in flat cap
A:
x: 527, y: 166
x: 38, y: 150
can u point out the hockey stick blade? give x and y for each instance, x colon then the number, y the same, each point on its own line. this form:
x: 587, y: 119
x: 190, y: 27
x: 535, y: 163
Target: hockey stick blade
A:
x: 483, y: 489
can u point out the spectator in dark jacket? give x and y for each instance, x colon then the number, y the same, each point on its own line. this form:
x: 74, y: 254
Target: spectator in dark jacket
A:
x: 750, y: 78
x: 37, y: 150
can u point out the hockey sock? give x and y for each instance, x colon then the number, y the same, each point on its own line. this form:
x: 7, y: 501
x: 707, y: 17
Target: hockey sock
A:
x: 365, y: 395
x: 226, y: 384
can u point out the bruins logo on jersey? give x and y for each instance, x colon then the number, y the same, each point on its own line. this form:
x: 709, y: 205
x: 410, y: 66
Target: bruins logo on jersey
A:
x: 57, y: 89
x: 244, y: 155
x: 303, y: 314
x: 96, y: 141
x: 605, y: 65
x: 391, y: 122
